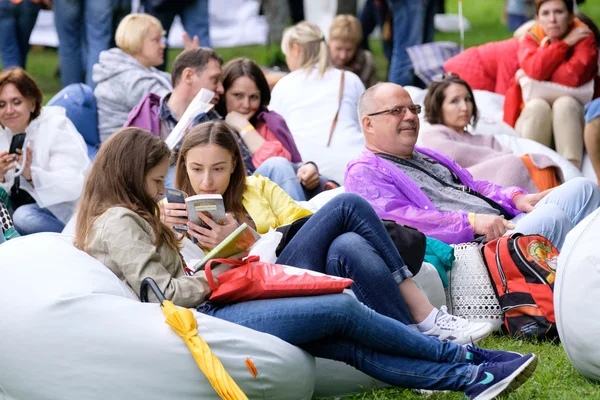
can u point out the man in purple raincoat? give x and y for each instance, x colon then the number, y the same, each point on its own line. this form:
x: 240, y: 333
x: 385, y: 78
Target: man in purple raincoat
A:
x: 429, y: 191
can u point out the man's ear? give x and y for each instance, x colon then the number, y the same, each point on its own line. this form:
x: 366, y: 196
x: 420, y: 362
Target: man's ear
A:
x: 188, y: 75
x: 367, y: 124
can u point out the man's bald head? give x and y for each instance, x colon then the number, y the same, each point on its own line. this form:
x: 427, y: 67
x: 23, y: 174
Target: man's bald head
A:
x: 370, y: 100
x: 387, y: 132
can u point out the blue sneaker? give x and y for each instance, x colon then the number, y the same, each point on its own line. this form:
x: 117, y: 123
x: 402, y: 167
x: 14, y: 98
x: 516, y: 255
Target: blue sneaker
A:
x: 496, y: 378
x: 476, y: 355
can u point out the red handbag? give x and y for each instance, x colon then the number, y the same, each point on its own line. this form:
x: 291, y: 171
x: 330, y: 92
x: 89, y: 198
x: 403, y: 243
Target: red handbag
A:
x: 254, y: 279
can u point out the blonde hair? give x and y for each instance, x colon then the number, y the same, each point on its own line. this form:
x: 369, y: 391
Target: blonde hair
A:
x: 313, y: 48
x: 346, y: 27
x: 133, y: 29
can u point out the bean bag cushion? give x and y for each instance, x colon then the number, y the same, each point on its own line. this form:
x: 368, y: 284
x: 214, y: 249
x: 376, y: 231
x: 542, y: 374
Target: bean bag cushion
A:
x: 576, y: 296
x: 489, y: 67
x: 72, y: 330
x: 80, y: 104
x: 490, y: 123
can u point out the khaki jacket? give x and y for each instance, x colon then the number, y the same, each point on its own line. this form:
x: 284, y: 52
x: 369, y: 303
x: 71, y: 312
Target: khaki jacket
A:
x: 124, y: 242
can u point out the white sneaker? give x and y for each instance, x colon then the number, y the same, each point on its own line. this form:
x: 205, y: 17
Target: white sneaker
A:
x: 458, y: 330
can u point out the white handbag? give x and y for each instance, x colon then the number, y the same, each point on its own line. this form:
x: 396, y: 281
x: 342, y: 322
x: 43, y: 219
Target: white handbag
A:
x: 550, y: 91
x: 470, y: 293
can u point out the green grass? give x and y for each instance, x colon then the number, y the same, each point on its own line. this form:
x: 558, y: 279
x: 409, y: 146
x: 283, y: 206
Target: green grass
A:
x: 555, y: 378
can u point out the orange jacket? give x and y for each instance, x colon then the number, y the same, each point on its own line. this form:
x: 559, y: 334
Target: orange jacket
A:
x: 555, y: 62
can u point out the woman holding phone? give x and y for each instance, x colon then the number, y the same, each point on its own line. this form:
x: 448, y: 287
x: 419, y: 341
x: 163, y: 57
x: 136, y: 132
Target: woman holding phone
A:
x: 44, y: 171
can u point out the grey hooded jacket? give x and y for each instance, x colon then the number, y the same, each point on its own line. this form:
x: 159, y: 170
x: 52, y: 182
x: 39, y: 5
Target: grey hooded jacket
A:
x: 121, y: 83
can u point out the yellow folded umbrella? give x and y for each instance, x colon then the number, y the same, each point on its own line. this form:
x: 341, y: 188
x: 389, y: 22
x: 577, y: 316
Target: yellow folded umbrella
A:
x: 184, y: 323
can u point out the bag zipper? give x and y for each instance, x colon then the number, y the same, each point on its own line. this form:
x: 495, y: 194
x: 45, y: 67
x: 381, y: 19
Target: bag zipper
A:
x: 524, y: 261
x: 508, y: 308
x: 500, y: 270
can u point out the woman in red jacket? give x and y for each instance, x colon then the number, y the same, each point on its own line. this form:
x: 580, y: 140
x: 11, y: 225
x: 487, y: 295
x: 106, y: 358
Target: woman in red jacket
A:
x: 559, y: 49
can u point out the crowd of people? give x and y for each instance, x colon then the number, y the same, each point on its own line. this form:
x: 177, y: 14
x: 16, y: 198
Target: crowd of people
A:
x: 269, y: 143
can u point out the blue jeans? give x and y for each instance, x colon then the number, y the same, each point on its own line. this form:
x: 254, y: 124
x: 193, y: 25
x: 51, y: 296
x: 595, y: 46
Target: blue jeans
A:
x: 79, y: 103
x: 16, y: 24
x: 338, y: 327
x: 514, y: 21
x: 557, y: 213
x: 432, y: 9
x: 194, y: 18
x: 346, y: 238
x: 283, y: 173
x: 85, y: 28
x: 31, y: 218
x: 408, y: 30
x: 370, y: 17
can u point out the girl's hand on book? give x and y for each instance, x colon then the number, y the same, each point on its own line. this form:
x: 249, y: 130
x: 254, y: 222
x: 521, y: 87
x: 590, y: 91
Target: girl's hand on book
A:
x: 172, y: 214
x: 210, y: 238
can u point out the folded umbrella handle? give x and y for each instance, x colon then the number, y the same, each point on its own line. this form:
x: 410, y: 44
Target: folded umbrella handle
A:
x: 150, y: 283
x: 208, y: 271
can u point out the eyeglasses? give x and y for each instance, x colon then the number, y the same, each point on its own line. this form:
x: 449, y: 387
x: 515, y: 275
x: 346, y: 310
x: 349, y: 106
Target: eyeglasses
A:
x: 399, y: 111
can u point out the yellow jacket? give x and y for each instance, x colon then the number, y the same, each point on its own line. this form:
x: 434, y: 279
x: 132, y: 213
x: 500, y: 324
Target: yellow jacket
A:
x: 269, y: 205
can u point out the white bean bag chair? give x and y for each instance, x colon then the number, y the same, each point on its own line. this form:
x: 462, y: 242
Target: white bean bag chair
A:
x: 490, y: 106
x: 72, y: 330
x: 577, y: 294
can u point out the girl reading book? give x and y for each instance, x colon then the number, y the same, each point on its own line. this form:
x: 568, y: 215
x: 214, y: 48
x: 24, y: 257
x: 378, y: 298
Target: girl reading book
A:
x: 119, y: 224
x: 345, y: 238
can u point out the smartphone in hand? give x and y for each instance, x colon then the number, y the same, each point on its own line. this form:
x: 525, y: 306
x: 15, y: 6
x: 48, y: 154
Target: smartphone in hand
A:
x: 175, y: 196
x: 17, y: 143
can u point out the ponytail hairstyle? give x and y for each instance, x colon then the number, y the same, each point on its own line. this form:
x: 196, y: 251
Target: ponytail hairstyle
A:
x: 313, y: 47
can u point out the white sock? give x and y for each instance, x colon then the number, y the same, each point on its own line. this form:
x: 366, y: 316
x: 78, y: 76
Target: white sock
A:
x: 428, y: 322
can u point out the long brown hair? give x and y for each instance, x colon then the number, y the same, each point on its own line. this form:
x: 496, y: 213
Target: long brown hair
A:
x: 237, y: 68
x: 118, y: 179
x: 217, y: 133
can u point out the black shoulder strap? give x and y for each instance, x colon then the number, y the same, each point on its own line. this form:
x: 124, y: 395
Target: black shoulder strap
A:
x: 461, y: 187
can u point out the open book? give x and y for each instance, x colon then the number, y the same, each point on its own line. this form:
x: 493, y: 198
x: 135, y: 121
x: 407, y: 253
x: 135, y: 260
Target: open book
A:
x: 239, y: 240
x: 201, y: 104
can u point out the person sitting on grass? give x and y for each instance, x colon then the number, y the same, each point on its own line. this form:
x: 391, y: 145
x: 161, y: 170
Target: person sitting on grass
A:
x: 119, y: 224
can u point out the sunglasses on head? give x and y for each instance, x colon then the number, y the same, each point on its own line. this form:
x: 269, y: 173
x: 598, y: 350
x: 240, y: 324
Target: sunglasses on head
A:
x: 444, y: 76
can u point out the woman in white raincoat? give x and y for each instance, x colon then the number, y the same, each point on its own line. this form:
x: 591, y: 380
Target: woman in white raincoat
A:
x: 44, y: 195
